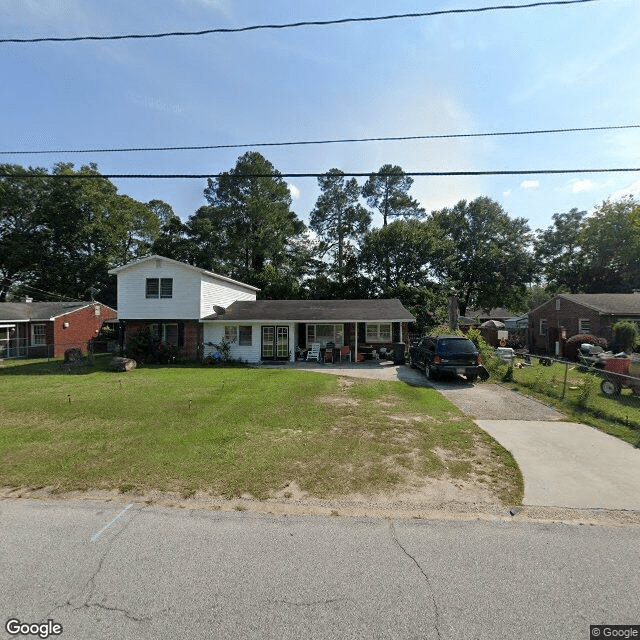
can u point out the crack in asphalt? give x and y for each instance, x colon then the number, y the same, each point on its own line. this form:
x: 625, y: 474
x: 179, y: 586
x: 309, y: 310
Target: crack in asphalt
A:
x: 314, y: 603
x: 436, y: 622
x: 89, y: 586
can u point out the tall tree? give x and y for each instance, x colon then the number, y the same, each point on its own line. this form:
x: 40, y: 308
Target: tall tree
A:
x: 485, y: 257
x: 611, y: 247
x: 387, y: 191
x: 338, y: 218
x: 249, y: 218
x: 401, y: 254
x: 20, y: 226
x: 558, y: 251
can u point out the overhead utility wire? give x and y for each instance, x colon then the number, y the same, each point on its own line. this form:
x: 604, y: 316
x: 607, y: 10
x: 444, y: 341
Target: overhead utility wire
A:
x: 239, y: 176
x: 443, y: 136
x: 291, y: 25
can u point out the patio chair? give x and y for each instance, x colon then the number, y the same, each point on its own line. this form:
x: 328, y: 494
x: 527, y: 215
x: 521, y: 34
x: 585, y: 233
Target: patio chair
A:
x: 345, y: 351
x: 314, y: 351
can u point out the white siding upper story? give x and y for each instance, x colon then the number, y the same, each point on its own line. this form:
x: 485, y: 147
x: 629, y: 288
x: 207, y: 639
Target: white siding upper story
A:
x: 221, y: 294
x: 194, y: 291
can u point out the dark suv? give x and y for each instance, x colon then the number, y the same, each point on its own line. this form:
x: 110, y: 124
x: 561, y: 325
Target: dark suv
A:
x: 446, y: 354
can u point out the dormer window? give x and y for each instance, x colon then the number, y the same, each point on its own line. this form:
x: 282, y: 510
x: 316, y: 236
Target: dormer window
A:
x: 159, y: 288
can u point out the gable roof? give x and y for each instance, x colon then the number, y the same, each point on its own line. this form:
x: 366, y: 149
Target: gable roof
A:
x: 608, y: 303
x: 209, y: 274
x: 26, y: 311
x: 388, y: 310
x: 617, y: 304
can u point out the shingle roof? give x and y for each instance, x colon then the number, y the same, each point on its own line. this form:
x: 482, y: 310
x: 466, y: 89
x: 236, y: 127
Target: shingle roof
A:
x: 609, y: 303
x: 37, y: 310
x: 316, y: 311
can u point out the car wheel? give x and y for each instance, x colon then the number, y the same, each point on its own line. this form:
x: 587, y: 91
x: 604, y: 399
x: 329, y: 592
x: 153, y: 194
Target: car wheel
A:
x: 472, y: 378
x: 610, y: 388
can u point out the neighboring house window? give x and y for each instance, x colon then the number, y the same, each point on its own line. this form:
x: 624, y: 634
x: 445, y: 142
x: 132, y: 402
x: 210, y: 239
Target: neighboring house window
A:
x: 378, y: 331
x: 170, y: 333
x: 558, y: 304
x: 245, y: 336
x: 38, y: 334
x: 231, y: 333
x: 324, y: 333
x: 584, y: 325
x: 543, y: 326
x: 159, y: 288
x: 96, y: 310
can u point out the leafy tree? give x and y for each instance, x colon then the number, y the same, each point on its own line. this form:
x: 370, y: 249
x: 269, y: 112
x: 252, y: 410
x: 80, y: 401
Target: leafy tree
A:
x: 625, y: 335
x: 338, y: 218
x: 249, y: 223
x: 484, y: 257
x: 610, y: 243
x: 20, y: 226
x: 558, y: 251
x: 387, y: 191
x: 400, y: 253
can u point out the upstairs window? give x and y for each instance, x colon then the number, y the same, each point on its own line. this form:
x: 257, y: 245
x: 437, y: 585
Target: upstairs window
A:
x: 166, y: 287
x: 159, y: 288
x: 584, y: 325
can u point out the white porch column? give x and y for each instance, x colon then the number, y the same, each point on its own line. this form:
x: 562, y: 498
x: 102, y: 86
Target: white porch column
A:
x: 356, y: 353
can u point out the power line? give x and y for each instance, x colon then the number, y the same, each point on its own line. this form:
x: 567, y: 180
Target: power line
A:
x: 199, y: 176
x: 445, y: 136
x: 291, y: 25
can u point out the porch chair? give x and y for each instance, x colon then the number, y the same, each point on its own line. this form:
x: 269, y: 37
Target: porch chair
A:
x: 314, y: 351
x: 345, y: 351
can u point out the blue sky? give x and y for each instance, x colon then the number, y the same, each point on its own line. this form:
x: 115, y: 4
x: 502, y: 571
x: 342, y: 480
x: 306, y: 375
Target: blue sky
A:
x: 537, y: 68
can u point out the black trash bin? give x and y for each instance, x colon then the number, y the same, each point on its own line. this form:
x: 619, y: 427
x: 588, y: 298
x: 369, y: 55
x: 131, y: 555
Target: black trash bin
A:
x: 398, y: 352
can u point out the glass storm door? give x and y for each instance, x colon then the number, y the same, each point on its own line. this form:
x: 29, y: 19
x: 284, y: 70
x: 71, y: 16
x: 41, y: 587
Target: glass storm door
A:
x: 282, y: 343
x: 268, y: 343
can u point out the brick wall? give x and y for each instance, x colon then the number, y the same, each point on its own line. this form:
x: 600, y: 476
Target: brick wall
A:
x: 191, y: 330
x: 566, y: 318
x: 83, y: 326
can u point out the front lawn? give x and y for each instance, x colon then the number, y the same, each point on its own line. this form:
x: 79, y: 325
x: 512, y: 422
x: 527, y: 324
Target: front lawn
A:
x: 230, y: 431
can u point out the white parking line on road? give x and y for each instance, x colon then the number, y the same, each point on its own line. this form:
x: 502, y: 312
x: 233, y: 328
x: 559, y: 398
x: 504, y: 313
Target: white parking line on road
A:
x: 95, y: 536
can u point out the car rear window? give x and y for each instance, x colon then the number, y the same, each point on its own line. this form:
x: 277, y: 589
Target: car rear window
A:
x: 455, y: 345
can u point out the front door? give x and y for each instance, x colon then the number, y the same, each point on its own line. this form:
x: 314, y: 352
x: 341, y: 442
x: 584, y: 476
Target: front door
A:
x: 275, y: 343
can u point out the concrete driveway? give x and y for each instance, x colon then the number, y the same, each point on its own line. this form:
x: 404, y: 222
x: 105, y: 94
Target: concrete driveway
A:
x: 564, y: 464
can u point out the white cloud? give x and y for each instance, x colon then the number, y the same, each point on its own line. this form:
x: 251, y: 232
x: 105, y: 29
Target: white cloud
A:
x: 530, y: 184
x: 578, y: 186
x: 293, y: 190
x: 632, y: 190
x: 506, y: 194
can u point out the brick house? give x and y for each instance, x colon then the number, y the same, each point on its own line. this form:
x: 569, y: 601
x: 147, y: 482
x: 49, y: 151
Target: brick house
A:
x: 36, y: 329
x: 568, y: 315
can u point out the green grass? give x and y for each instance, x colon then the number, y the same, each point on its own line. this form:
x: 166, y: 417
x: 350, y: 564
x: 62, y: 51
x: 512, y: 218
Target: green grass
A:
x: 583, y: 400
x: 231, y: 431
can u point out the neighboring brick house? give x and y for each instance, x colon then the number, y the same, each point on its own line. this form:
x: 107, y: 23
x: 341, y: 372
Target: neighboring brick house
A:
x: 37, y: 329
x: 570, y: 314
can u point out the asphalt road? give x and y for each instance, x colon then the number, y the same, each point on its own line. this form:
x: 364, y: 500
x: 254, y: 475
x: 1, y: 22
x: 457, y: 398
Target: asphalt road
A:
x: 107, y: 571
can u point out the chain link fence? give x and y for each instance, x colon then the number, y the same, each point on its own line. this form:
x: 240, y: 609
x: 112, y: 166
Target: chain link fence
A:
x: 610, y: 392
x: 20, y: 348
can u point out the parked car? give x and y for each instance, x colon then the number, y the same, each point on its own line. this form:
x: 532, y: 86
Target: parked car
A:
x: 453, y: 355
